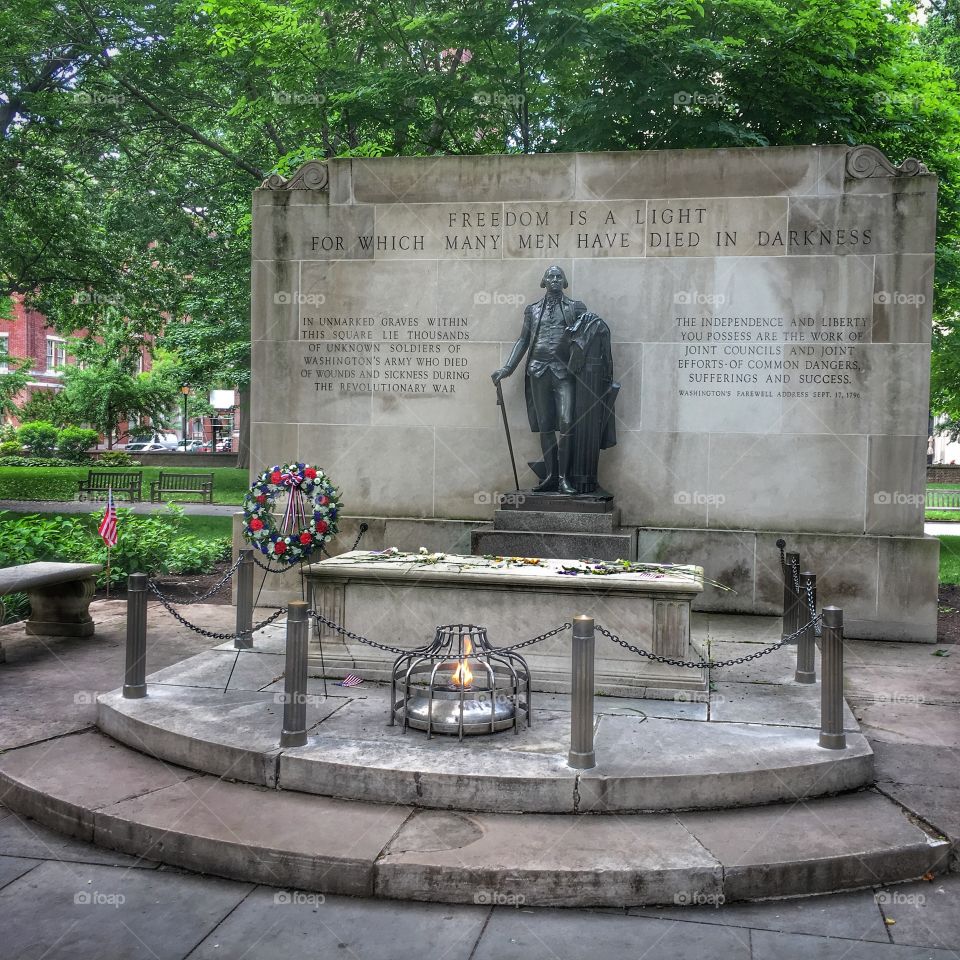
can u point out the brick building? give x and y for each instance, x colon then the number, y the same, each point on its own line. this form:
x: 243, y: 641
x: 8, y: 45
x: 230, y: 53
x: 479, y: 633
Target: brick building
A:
x: 27, y: 336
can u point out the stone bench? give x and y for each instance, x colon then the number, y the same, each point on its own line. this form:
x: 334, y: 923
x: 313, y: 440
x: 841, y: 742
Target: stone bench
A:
x: 60, y: 595
x: 402, y: 604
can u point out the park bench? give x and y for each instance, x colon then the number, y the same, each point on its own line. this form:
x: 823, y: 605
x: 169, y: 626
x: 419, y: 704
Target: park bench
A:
x: 199, y: 484
x: 60, y: 595
x: 99, y: 482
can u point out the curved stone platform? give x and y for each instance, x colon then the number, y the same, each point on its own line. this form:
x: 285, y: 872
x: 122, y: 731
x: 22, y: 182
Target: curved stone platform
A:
x: 90, y: 787
x: 645, y: 762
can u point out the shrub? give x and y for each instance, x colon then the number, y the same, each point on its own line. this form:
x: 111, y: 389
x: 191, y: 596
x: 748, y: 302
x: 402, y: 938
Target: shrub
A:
x: 145, y: 544
x: 196, y: 555
x: 22, y: 461
x: 117, y: 458
x: 39, y: 437
x: 74, y: 442
x: 10, y: 448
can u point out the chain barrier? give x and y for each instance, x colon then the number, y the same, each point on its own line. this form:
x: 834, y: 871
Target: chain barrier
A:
x: 344, y: 632
x: 701, y: 664
x: 266, y: 566
x: 206, y: 596
x: 364, y: 527
x: 781, y: 546
x: 210, y: 633
x: 812, y: 607
x: 795, y: 570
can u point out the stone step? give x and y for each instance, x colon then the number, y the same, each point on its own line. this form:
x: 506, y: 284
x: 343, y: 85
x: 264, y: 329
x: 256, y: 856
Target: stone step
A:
x: 643, y: 763
x: 619, y: 544
x: 90, y: 787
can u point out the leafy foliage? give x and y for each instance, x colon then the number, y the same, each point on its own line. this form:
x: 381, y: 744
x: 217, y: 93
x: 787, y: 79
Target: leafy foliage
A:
x: 39, y: 437
x: 131, y: 135
x: 74, y: 442
x: 116, y: 458
x: 151, y: 544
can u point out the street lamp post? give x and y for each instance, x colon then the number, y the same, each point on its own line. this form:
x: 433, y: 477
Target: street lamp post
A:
x: 185, y: 390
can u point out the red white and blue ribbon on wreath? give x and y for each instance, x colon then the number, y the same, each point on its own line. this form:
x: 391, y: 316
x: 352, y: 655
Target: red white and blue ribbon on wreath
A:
x: 294, y: 517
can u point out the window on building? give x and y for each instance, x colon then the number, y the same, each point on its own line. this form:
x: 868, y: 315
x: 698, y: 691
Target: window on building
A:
x: 4, y: 352
x: 56, y: 354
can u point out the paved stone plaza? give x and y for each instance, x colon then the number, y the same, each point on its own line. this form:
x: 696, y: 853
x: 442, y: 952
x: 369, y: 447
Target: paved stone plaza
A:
x: 62, y: 897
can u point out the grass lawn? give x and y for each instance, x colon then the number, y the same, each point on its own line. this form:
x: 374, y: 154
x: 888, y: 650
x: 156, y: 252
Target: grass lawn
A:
x: 950, y: 559
x: 60, y: 483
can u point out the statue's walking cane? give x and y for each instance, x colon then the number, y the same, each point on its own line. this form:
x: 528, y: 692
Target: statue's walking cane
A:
x: 506, y: 427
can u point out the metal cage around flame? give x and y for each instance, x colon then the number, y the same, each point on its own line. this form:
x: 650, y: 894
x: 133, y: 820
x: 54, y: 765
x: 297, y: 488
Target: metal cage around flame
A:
x: 460, y: 684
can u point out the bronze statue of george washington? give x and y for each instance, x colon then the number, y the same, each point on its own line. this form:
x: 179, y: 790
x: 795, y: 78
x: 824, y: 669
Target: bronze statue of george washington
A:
x: 569, y: 386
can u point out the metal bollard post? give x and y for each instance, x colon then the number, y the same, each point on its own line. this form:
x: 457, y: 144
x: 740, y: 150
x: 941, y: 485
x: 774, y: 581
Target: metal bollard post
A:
x: 244, y: 638
x: 294, y: 732
x: 791, y: 620
x: 831, y: 686
x: 807, y: 647
x: 582, y: 755
x: 135, y: 673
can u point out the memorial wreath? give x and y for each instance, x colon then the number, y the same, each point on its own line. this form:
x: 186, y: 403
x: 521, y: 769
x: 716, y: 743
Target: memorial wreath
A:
x: 309, y: 519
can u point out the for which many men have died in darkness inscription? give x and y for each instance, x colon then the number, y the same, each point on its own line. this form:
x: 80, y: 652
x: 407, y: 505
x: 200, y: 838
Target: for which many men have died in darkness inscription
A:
x: 722, y: 351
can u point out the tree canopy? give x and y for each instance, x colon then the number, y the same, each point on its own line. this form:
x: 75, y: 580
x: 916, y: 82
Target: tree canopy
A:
x: 132, y: 135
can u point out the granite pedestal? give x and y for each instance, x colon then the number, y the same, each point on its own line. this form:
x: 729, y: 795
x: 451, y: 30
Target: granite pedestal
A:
x: 529, y: 524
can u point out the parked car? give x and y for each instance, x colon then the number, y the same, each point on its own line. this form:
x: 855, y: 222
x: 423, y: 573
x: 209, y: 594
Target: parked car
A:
x: 164, y: 441
x: 190, y: 446
x: 145, y: 446
x: 225, y: 445
x: 205, y: 447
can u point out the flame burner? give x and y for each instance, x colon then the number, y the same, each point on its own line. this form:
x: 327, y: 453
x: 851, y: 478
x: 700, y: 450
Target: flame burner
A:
x: 460, y: 684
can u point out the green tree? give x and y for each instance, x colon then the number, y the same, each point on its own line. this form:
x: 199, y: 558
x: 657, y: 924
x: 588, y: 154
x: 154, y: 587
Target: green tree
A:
x: 132, y: 135
x: 103, y: 388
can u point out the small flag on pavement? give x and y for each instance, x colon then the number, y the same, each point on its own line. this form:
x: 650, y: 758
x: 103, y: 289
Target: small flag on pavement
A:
x: 350, y: 680
x: 108, y: 525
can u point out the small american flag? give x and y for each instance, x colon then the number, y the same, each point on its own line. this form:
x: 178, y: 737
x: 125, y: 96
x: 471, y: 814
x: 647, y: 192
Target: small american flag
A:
x: 350, y: 680
x: 108, y: 525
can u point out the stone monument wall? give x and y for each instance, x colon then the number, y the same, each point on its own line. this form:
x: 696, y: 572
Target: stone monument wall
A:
x: 770, y: 313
